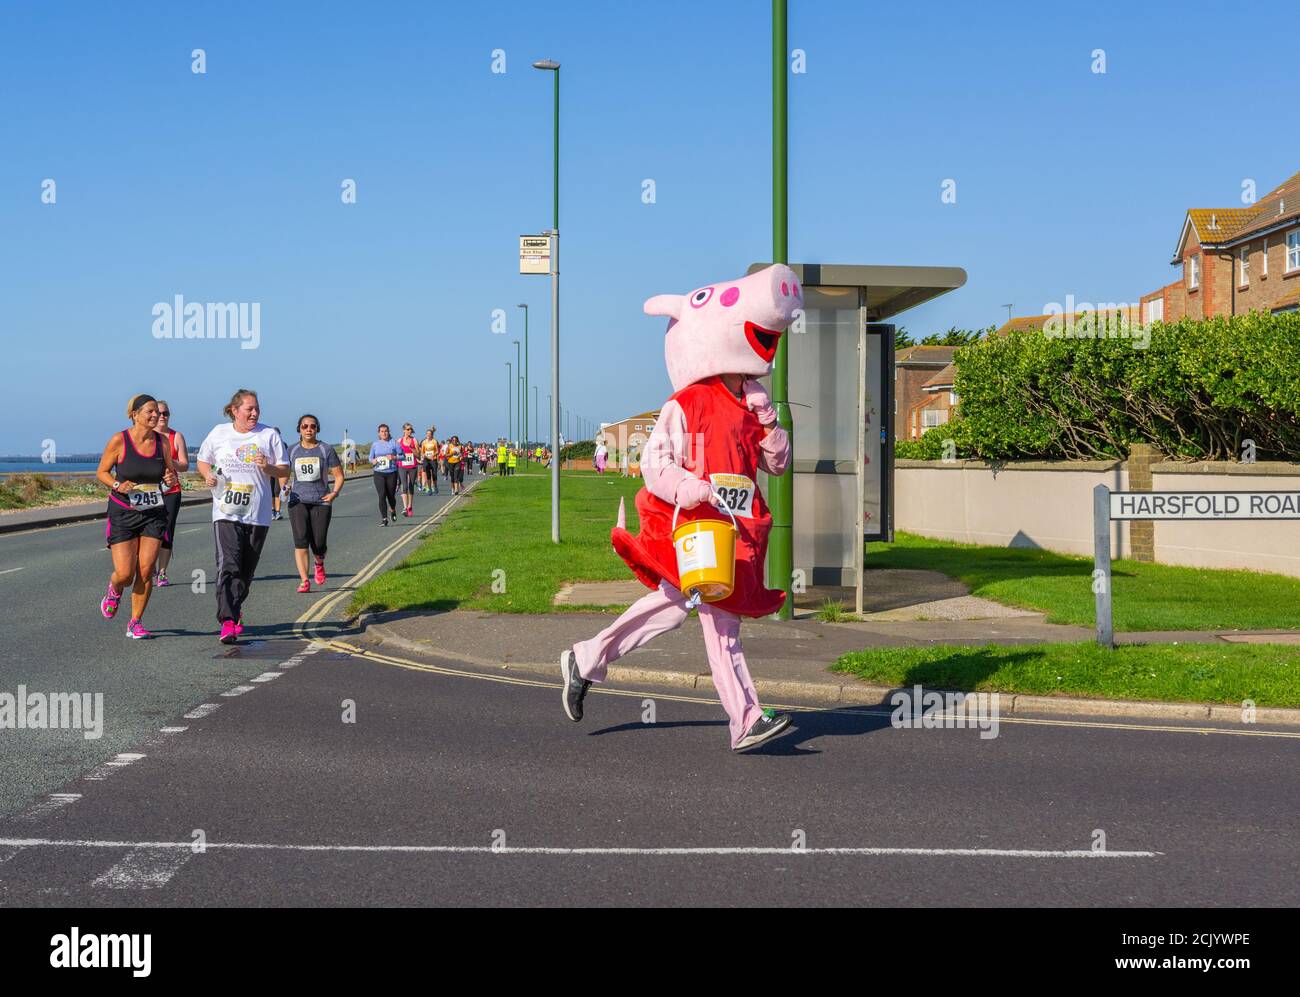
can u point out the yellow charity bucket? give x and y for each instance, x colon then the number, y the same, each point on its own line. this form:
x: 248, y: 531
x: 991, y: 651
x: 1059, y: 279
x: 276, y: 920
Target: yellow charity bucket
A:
x: 706, y: 556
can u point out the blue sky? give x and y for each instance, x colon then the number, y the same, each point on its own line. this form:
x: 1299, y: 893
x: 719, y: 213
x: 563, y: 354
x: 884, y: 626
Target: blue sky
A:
x: 226, y: 186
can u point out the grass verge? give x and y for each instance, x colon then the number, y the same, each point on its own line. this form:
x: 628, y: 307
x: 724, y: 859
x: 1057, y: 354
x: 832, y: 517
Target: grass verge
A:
x: 495, y: 552
x: 1268, y: 674
x: 1145, y: 596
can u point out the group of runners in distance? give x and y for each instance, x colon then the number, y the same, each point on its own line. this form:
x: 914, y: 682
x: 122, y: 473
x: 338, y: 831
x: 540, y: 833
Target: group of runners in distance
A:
x: 248, y: 467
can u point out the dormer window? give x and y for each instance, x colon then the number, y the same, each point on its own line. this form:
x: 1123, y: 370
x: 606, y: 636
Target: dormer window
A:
x: 1194, y: 270
x: 1243, y: 266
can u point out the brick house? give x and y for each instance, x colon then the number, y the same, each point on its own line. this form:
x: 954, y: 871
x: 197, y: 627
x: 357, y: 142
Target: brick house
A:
x: 1235, y: 260
x: 913, y: 367
x: 937, y: 403
x: 629, y: 434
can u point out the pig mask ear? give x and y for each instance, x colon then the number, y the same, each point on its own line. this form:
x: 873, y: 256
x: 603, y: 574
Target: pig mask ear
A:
x: 665, y: 304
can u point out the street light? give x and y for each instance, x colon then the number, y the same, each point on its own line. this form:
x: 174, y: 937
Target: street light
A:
x: 510, y: 388
x: 526, y: 427
x: 519, y: 418
x: 780, y: 498
x: 551, y: 66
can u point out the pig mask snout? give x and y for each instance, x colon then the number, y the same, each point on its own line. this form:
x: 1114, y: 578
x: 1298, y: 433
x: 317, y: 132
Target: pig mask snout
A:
x: 731, y: 327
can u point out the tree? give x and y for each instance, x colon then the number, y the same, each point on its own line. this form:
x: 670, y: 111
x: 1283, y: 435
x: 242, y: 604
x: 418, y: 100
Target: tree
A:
x: 956, y: 337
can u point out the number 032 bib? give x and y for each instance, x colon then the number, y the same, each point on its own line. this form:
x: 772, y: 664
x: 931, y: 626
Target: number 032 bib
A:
x: 737, y: 491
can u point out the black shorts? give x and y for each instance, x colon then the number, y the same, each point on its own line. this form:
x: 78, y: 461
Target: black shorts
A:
x: 130, y: 524
x: 311, y: 524
x: 172, y: 503
x: 456, y: 473
x: 431, y: 467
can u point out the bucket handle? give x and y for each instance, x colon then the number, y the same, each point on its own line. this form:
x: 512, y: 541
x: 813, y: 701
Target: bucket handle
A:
x: 677, y: 508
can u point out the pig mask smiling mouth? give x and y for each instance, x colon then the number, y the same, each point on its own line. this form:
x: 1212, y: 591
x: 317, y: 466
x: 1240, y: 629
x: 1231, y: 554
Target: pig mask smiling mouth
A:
x: 763, y: 340
x: 733, y: 327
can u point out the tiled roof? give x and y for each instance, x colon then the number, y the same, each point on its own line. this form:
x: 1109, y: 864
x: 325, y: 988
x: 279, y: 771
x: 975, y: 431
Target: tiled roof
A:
x: 1026, y: 323
x: 1221, y: 226
x: 1290, y: 300
x: 926, y: 354
x: 943, y: 379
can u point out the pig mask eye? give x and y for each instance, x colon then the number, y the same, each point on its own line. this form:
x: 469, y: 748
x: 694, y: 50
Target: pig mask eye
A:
x: 701, y: 297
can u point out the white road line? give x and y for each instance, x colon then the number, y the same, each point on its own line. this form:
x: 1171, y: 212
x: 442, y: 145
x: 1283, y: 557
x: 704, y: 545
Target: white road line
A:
x: 10, y: 571
x: 55, y: 802
x: 1026, y: 853
x: 144, y: 869
x: 202, y: 710
x: 238, y: 690
x: 7, y: 852
x: 195, y: 530
x: 119, y: 761
x: 172, y: 730
x: 266, y: 677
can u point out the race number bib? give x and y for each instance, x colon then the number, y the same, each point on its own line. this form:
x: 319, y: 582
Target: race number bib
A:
x: 408, y: 460
x: 236, y: 499
x: 384, y: 463
x: 737, y: 491
x: 307, y: 468
x: 146, y: 497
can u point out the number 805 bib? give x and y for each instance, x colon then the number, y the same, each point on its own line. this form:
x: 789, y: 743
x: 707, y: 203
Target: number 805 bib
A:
x: 236, y: 499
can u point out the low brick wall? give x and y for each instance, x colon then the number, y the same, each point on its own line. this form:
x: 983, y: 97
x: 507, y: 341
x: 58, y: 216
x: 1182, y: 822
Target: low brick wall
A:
x: 1048, y: 504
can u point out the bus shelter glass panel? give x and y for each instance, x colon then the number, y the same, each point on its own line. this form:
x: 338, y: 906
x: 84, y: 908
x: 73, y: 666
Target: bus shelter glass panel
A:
x: 826, y: 404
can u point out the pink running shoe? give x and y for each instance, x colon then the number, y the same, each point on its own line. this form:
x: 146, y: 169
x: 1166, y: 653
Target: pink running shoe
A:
x: 239, y: 626
x: 228, y: 632
x: 320, y: 572
x: 160, y: 580
x: 108, y: 605
x: 305, y: 587
x: 137, y: 632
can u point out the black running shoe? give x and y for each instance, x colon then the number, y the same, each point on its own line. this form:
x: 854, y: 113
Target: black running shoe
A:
x: 575, y: 686
x: 766, y: 727
x: 383, y: 522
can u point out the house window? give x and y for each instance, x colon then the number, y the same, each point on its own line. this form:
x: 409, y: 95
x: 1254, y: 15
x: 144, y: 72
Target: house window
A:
x: 1155, y: 310
x: 1263, y: 263
x: 933, y: 417
x: 1243, y: 266
x: 1293, y: 250
x: 1193, y: 272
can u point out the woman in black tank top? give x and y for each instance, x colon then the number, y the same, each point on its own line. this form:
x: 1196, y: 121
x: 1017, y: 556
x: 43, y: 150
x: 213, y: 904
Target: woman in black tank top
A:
x: 136, y: 467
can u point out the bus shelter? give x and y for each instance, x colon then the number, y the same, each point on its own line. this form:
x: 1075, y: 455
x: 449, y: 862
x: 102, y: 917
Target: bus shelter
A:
x: 841, y: 387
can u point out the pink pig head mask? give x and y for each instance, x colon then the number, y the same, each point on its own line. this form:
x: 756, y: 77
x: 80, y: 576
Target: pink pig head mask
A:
x: 731, y: 327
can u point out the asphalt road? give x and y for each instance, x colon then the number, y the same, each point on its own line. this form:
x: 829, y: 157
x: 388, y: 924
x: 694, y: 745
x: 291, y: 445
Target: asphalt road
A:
x: 336, y: 779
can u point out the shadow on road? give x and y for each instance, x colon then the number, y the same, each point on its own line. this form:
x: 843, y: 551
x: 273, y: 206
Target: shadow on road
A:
x: 804, y: 727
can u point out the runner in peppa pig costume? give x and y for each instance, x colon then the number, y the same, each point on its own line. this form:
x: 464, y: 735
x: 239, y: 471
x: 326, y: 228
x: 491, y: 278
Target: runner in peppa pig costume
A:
x: 712, y: 437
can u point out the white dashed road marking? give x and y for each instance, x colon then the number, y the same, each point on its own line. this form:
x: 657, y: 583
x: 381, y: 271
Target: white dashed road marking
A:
x: 202, y: 710
x: 239, y: 690
x: 145, y: 869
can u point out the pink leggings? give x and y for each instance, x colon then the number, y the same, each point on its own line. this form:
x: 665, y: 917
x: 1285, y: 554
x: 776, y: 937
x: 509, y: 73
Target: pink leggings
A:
x: 665, y: 609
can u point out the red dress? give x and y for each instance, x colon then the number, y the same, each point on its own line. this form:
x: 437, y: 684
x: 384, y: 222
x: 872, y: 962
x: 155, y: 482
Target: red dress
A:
x: 726, y: 439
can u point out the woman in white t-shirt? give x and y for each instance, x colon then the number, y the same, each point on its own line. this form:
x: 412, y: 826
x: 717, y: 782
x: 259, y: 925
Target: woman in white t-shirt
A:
x: 247, y: 458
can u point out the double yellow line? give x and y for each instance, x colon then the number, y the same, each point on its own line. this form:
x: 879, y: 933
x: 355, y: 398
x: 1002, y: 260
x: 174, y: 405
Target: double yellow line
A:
x: 307, y: 626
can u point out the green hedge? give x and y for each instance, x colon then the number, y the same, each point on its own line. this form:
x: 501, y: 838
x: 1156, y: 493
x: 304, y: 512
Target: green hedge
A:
x: 1198, y: 391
